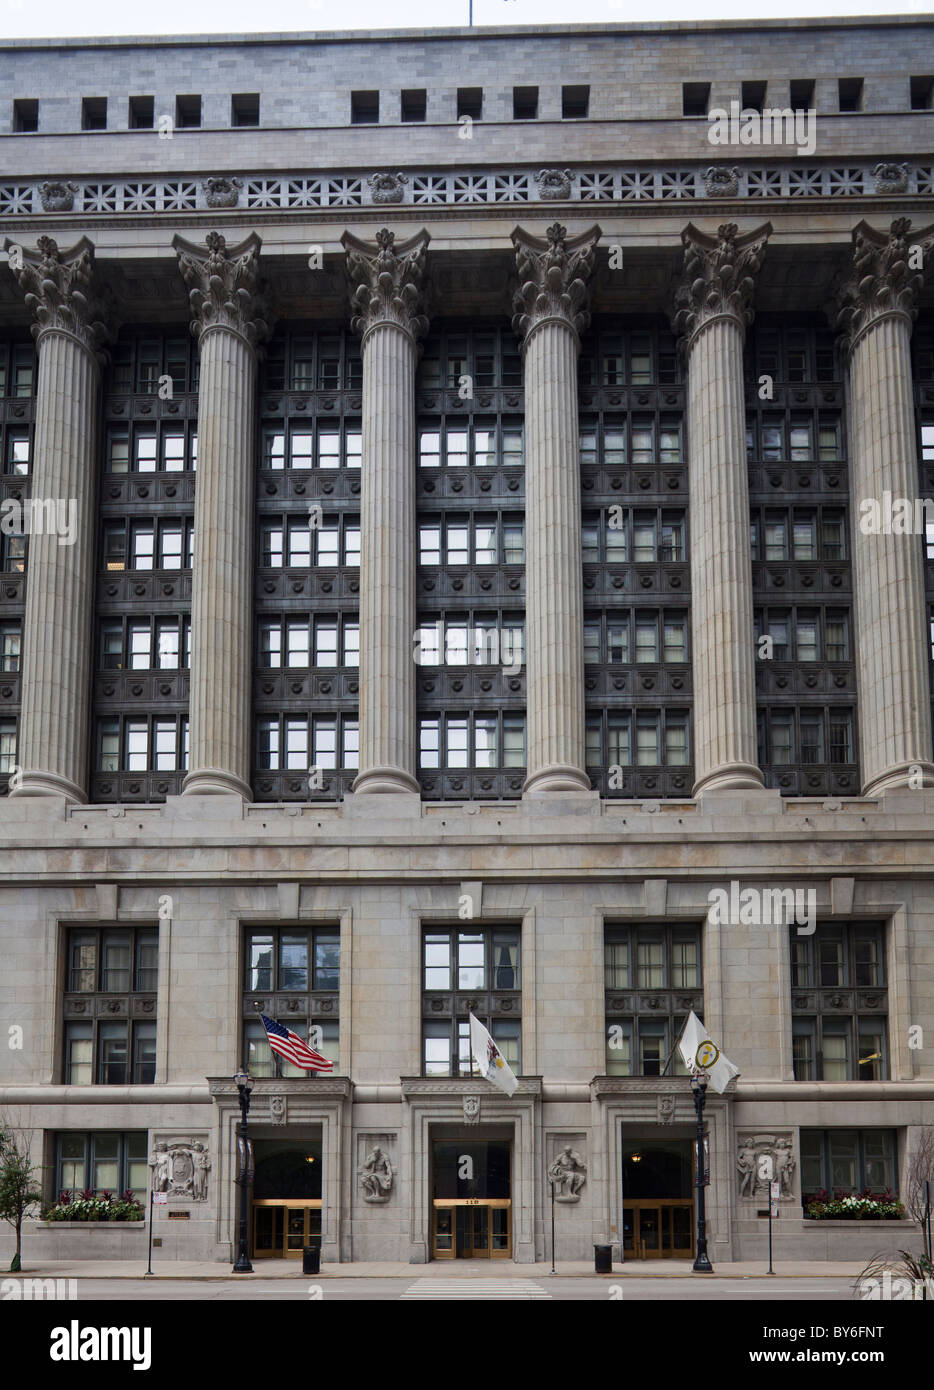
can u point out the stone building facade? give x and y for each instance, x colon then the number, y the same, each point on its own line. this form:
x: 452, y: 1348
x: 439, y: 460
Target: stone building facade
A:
x: 434, y: 569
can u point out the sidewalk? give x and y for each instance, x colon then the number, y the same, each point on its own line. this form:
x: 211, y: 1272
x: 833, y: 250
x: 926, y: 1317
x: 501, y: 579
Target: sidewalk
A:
x: 444, y: 1269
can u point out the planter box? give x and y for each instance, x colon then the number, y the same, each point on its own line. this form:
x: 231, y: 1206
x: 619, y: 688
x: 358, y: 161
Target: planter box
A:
x: 794, y: 1238
x: 87, y: 1240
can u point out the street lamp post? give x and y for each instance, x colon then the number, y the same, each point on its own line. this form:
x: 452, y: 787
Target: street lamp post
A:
x: 244, y: 1084
x: 702, y: 1263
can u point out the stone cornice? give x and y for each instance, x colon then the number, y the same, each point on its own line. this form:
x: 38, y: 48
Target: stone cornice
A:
x: 319, y: 1088
x: 223, y: 286
x: 880, y: 280
x: 553, y: 275
x: 61, y: 292
x: 466, y: 1086
x: 718, y: 278
x: 387, y: 282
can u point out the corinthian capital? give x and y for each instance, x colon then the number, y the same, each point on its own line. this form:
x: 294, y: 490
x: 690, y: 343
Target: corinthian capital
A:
x: 885, y: 276
x: 223, y: 286
x: 718, y: 277
x: 553, y: 278
x: 387, y: 281
x: 61, y: 292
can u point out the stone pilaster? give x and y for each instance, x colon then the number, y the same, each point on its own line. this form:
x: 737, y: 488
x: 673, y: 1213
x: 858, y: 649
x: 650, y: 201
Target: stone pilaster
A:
x: 551, y: 313
x: 877, y: 304
x: 386, y: 298
x: 228, y: 320
x: 57, y: 639
x: 713, y: 307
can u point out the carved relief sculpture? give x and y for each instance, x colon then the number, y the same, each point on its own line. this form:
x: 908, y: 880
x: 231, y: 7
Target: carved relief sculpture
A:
x: 762, y: 1159
x: 376, y: 1176
x: 568, y: 1172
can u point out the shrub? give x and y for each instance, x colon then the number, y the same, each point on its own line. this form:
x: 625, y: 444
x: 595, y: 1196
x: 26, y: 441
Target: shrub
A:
x: 90, y: 1207
x: 853, y: 1206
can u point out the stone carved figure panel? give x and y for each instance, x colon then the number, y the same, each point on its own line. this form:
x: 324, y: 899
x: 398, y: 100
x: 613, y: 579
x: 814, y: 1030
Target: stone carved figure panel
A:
x: 762, y: 1159
x: 180, y: 1168
x: 277, y: 1109
x: 568, y: 1172
x: 376, y: 1176
x: 471, y: 1110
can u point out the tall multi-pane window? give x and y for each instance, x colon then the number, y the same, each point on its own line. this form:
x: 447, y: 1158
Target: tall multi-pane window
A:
x: 839, y: 1002
x: 800, y: 547
x: 291, y: 974
x: 636, y: 573
x: 468, y: 971
x: 103, y: 1161
x: 109, y: 1006
x: 652, y: 980
x: 848, y: 1161
x: 17, y: 421
x: 470, y: 651
x: 142, y: 650
x: 306, y: 616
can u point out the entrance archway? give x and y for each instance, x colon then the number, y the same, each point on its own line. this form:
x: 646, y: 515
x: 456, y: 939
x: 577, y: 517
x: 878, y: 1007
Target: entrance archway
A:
x: 658, y: 1199
x: 286, y: 1197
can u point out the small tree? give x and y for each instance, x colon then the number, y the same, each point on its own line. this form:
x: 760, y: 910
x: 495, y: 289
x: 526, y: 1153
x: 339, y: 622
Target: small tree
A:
x: 920, y: 1170
x: 18, y: 1193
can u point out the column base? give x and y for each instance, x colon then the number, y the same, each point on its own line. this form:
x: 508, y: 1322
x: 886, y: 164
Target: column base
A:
x: 731, y: 777
x: 913, y: 776
x: 49, y: 784
x: 212, y: 781
x: 558, y: 777
x: 383, y: 780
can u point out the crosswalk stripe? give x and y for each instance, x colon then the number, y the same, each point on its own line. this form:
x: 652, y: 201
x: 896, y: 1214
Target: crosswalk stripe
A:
x: 471, y: 1288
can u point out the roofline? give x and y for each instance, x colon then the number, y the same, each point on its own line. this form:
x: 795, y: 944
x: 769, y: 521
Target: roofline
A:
x: 345, y: 36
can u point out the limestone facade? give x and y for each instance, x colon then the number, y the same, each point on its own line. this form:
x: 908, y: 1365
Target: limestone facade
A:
x: 553, y: 868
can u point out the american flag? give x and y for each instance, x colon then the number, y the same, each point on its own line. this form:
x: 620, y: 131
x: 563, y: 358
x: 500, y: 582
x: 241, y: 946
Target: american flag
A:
x: 293, y: 1048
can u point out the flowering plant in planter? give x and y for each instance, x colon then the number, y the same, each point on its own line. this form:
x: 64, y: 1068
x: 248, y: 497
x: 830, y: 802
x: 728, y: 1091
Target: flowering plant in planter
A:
x: 853, y: 1206
x: 92, y: 1206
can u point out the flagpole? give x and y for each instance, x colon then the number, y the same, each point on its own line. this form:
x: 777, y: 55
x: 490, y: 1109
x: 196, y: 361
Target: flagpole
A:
x: 552, y: 1184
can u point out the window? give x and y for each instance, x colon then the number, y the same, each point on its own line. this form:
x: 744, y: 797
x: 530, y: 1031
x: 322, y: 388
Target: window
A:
x: 244, y: 109
x: 695, y: 98
x: 364, y: 108
x: 25, y: 116
x: 94, y: 113
x: 304, y: 963
x: 472, y: 741
x: 17, y: 453
x: 847, y: 1160
x: 414, y: 105
x: 922, y: 93
x: 10, y: 637
x: 7, y: 745
x: 187, y: 112
x: 575, y: 103
x: 524, y: 103
x: 839, y: 1036
x: 485, y: 963
x: 753, y: 96
x: 102, y: 1162
x: 99, y: 1048
x: 641, y: 1033
x: 470, y: 102
x: 802, y: 94
x: 141, y: 114
x: 142, y: 744
x: 850, y: 92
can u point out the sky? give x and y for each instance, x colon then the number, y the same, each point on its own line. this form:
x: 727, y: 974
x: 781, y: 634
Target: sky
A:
x: 68, y: 18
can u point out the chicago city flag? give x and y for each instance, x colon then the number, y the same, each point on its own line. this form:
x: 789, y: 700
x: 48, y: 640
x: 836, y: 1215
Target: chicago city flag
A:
x: 489, y: 1058
x: 700, y: 1054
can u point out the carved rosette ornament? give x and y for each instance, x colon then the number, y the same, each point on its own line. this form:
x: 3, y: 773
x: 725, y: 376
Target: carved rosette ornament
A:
x: 554, y: 185
x: 387, y: 188
x: 58, y: 196
x: 883, y: 278
x: 387, y: 282
x: 223, y: 286
x: 891, y: 178
x: 553, y: 277
x: 721, y: 181
x: 60, y: 291
x: 718, y: 277
x: 222, y: 192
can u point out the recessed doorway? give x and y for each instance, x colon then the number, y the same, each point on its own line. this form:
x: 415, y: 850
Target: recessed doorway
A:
x: 658, y: 1200
x: 471, y: 1200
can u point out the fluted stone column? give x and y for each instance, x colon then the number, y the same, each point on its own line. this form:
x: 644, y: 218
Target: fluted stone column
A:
x: 228, y: 320
x: 878, y: 303
x: 550, y: 315
x: 386, y: 302
x: 713, y: 307
x: 57, y: 640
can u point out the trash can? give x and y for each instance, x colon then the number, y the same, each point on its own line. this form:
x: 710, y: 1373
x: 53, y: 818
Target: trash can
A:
x: 311, y: 1259
x: 603, y: 1259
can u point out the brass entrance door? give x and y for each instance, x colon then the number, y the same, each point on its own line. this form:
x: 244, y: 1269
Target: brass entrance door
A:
x: 658, y: 1228
x: 472, y: 1228
x: 283, y: 1227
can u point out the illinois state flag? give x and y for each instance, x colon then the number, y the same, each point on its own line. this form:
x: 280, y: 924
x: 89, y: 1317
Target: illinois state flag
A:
x: 489, y: 1059
x: 700, y: 1054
